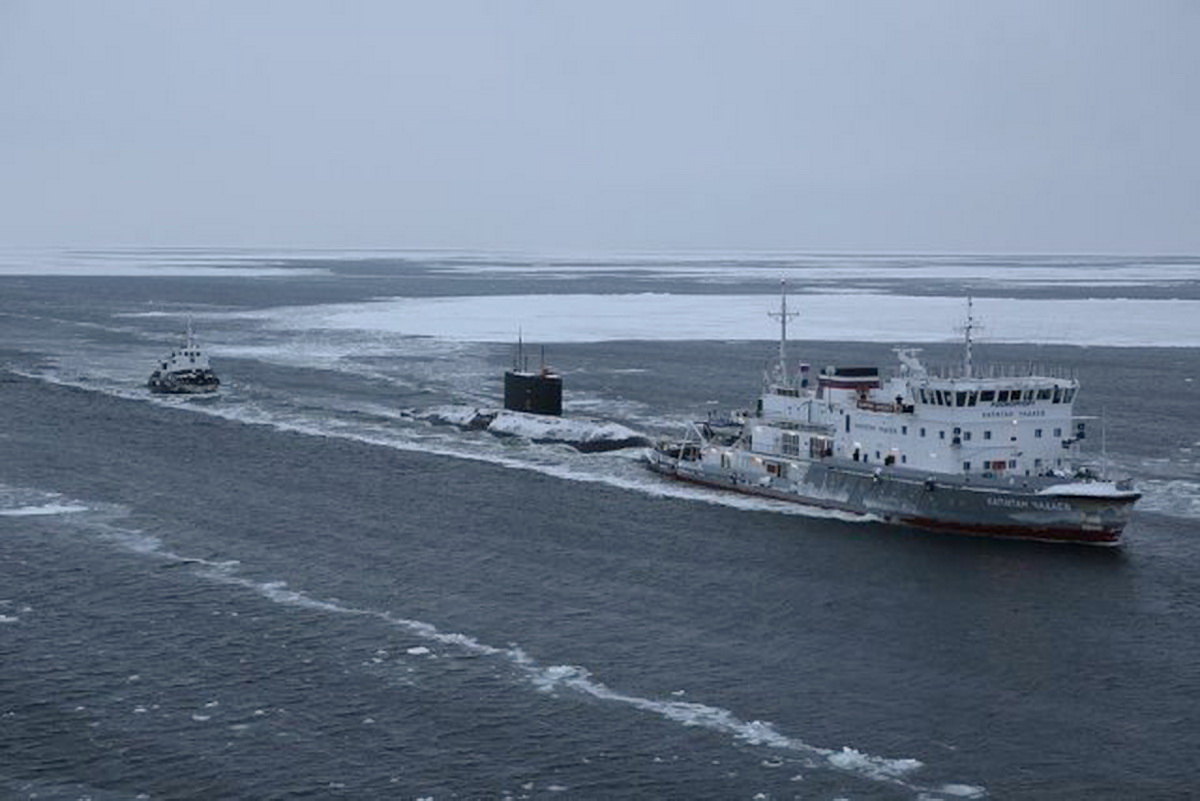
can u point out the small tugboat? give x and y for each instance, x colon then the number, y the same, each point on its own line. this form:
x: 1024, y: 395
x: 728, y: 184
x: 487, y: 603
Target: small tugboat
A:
x: 992, y: 452
x: 185, y: 371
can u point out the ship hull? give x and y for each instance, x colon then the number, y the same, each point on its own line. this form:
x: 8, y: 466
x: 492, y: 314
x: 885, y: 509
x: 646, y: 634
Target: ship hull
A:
x: 905, y: 497
x: 195, y: 382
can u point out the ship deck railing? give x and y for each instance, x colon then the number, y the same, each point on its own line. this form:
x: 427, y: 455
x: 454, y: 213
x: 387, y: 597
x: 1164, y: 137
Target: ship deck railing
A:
x: 957, y: 370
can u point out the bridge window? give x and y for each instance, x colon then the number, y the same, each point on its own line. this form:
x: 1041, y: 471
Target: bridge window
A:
x: 1057, y: 395
x: 961, y: 399
x: 971, y: 398
x: 987, y: 395
x: 1068, y: 395
x: 1002, y: 396
x: 1043, y: 394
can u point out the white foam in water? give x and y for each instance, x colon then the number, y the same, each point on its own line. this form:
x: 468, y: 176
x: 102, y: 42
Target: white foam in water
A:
x: 1174, y: 497
x: 644, y: 482
x: 960, y: 790
x: 44, y: 509
x: 548, y: 678
x: 579, y: 679
x: 545, y: 678
x: 25, y: 502
x: 592, y: 471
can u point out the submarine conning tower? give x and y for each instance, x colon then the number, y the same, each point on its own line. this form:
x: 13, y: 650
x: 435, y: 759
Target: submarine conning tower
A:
x: 534, y: 392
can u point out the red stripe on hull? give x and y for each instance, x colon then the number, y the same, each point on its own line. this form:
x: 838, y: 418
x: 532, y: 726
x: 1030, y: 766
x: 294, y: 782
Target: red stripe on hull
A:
x: 1072, y: 535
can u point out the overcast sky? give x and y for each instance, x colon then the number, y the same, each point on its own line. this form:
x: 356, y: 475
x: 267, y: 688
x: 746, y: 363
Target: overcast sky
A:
x: 603, y: 125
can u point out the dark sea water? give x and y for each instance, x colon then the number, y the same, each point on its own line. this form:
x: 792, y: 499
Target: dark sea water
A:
x: 303, y: 589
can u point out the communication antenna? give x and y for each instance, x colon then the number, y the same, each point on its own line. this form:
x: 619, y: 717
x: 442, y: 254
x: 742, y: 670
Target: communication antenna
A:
x: 783, y: 314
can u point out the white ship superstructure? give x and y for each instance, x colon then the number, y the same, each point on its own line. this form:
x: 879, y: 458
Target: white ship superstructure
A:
x: 186, y: 370
x: 979, y: 450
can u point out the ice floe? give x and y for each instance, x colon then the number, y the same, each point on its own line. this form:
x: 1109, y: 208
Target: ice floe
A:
x: 582, y: 434
x: 833, y: 316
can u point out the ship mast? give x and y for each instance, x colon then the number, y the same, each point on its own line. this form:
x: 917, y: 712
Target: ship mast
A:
x: 783, y: 314
x: 967, y: 330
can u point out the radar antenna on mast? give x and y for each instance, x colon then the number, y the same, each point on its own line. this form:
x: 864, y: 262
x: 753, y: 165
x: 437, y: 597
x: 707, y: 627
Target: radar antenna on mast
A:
x: 783, y: 314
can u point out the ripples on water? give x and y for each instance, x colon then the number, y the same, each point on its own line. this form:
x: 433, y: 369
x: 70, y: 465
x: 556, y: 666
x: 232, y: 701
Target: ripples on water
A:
x: 635, y: 637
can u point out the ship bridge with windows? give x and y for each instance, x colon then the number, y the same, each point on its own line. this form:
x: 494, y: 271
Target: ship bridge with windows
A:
x: 994, y: 421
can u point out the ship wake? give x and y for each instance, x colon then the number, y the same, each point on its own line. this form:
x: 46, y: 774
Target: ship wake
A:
x: 554, y: 680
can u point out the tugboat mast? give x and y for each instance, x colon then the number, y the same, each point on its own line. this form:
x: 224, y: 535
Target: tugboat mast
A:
x: 783, y: 314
